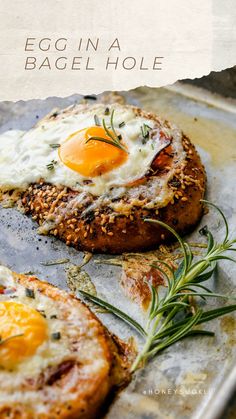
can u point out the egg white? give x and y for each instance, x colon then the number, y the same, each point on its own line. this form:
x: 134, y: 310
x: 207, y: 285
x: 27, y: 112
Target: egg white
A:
x: 51, y: 351
x: 24, y: 156
x: 73, y: 327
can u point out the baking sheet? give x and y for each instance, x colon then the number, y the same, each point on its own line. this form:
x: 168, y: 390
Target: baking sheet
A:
x: 194, y: 378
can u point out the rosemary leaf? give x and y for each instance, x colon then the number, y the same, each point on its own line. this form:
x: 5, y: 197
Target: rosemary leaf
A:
x: 115, y: 311
x: 104, y: 140
x: 10, y: 338
x: 55, y: 145
x: 115, y: 139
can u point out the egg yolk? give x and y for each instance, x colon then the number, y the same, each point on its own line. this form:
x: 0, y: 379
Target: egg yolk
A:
x: 91, y: 158
x: 19, y: 319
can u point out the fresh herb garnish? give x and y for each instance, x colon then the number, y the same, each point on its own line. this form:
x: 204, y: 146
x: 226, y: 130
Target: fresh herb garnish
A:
x: 122, y: 124
x: 29, y: 293
x: 96, y: 120
x: 55, y: 145
x: 10, y: 337
x: 56, y: 336
x: 51, y: 165
x: 115, y: 139
x: 169, y: 318
x: 107, y: 111
x: 145, y: 129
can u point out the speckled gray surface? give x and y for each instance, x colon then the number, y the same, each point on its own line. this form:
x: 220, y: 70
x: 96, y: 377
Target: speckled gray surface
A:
x: 186, y: 380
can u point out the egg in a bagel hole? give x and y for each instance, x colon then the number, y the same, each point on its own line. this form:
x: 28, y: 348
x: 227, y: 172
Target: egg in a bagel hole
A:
x: 91, y: 174
x: 56, y: 358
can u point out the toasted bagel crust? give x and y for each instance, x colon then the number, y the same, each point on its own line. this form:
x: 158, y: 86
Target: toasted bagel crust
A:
x: 79, y: 393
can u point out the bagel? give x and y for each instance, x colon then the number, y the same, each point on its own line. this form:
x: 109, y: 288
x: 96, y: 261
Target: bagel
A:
x: 169, y: 188
x: 57, y: 361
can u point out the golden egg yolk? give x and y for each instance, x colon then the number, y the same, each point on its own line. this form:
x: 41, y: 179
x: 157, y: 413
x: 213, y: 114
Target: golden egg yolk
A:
x: 15, y: 319
x: 91, y: 158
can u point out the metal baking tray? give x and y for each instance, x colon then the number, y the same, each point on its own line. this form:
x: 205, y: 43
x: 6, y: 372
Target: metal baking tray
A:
x: 195, y: 378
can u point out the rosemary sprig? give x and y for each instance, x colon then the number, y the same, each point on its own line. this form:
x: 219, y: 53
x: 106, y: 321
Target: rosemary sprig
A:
x: 114, y: 138
x: 169, y: 318
x: 10, y: 338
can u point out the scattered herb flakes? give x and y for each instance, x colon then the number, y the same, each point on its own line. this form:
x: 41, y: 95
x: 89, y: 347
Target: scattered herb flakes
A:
x: 55, y: 145
x: 51, y: 165
x: 29, y: 293
x: 55, y: 262
x: 28, y: 273
x: 107, y: 111
x: 145, y: 129
x: 56, y: 336
x: 122, y: 124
